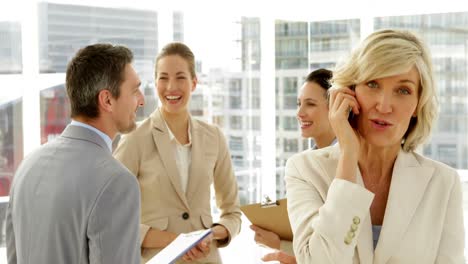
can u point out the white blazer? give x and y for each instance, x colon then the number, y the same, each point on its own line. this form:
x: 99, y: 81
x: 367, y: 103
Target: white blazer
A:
x: 423, y: 221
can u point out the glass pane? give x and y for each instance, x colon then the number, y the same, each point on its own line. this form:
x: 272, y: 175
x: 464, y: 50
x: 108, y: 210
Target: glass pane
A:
x: 178, y: 26
x: 11, y: 153
x: 231, y: 94
x: 10, y: 47
x: 11, y: 142
x: 250, y: 40
x: 65, y: 28
x: 291, y: 45
x: 55, y: 112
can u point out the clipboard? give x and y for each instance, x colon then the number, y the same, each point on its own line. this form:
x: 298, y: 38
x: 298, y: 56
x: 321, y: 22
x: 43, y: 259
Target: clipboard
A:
x: 177, y: 248
x: 270, y: 215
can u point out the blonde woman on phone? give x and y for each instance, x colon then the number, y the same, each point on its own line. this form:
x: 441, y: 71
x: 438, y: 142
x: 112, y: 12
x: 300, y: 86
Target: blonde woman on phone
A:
x: 372, y: 198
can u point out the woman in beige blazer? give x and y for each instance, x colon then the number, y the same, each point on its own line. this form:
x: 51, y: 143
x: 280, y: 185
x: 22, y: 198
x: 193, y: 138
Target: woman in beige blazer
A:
x: 312, y: 115
x: 176, y: 159
x: 372, y: 199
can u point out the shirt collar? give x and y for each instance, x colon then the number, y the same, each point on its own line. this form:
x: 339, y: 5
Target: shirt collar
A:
x: 332, y: 144
x: 173, y: 138
x: 104, y: 136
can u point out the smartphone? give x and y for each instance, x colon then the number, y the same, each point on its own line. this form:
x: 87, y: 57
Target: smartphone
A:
x: 351, y: 116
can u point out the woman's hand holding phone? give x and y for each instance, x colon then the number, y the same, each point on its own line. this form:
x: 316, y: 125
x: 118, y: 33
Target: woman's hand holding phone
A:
x: 342, y: 102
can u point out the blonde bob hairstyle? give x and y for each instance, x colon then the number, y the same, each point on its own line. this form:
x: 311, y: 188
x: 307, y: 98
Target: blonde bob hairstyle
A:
x: 387, y: 53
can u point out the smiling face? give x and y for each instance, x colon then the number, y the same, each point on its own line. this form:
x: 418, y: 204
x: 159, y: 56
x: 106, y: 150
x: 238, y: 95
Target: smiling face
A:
x: 387, y: 105
x: 174, y: 84
x: 312, y: 110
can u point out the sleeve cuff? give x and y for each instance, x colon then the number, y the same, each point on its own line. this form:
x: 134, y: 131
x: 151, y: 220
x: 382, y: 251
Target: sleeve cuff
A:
x: 346, y: 207
x: 143, y: 231
x: 287, y: 247
x: 226, y: 241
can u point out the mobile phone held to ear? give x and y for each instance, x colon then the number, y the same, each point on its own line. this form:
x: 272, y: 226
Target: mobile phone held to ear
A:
x: 351, y: 116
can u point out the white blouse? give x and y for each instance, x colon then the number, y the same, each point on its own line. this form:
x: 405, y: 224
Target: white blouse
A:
x: 183, y: 156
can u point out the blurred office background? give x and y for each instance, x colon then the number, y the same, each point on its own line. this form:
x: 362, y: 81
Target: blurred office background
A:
x: 251, y: 59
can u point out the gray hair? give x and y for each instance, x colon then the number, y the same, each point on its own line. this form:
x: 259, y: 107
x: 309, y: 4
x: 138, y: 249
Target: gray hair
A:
x: 93, y: 69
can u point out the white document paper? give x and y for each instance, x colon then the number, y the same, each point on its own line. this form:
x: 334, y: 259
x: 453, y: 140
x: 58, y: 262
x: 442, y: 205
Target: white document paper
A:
x: 177, y: 248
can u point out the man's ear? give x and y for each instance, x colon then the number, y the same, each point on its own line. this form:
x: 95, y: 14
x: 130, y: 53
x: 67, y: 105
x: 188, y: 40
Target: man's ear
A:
x: 105, y: 100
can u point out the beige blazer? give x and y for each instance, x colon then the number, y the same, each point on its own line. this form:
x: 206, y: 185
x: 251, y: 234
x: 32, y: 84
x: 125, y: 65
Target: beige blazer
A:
x: 147, y: 153
x: 423, y: 220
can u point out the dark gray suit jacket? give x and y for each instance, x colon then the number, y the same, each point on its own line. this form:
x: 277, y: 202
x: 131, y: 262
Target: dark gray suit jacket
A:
x: 72, y: 202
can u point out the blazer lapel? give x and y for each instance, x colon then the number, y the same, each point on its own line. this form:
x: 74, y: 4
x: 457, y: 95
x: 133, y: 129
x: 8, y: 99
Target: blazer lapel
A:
x: 166, y: 152
x: 196, y: 166
x: 407, y: 188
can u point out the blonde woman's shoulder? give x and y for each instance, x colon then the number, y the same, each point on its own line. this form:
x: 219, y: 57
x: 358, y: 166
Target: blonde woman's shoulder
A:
x: 442, y: 171
x: 329, y: 153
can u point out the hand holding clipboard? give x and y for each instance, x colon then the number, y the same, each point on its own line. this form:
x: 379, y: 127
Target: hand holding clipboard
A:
x: 270, y: 215
x: 177, y: 248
